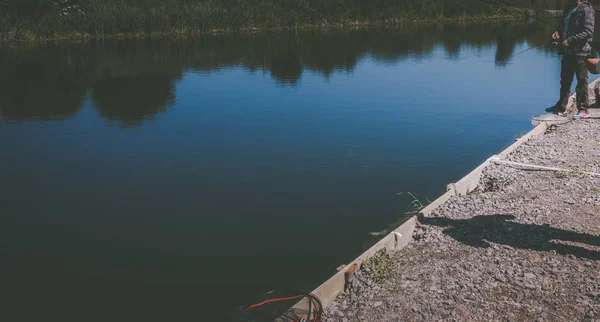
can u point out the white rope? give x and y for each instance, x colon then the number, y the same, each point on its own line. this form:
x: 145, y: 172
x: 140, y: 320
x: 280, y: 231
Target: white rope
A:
x: 497, y: 160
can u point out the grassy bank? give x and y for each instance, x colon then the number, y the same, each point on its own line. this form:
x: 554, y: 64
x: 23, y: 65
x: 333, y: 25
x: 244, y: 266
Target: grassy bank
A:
x: 31, y: 19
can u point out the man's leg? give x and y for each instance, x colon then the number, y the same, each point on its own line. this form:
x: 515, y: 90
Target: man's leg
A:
x: 583, y: 101
x: 567, y: 71
x: 593, y: 66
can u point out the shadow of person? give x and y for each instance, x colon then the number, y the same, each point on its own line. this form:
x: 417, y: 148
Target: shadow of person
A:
x: 480, y: 231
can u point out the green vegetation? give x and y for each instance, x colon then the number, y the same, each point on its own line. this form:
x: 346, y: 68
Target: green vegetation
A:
x: 413, y: 208
x: 26, y: 19
x: 475, y: 192
x: 415, y: 205
x: 380, y: 267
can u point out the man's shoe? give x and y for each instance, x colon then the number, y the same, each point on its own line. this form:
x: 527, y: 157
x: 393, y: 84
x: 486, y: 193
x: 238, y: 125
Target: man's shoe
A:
x: 582, y: 114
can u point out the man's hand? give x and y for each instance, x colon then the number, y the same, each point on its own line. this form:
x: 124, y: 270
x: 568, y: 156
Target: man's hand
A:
x: 555, y: 35
x: 566, y: 43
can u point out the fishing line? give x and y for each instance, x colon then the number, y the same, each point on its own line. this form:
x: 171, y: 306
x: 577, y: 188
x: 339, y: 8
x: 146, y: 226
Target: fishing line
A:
x: 515, y: 55
x: 524, y: 51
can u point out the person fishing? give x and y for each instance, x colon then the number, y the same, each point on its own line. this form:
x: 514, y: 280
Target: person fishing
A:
x: 574, y: 34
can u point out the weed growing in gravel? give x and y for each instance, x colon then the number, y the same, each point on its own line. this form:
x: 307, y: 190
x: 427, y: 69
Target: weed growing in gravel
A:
x: 561, y: 175
x: 476, y: 192
x: 380, y: 267
x: 594, y: 189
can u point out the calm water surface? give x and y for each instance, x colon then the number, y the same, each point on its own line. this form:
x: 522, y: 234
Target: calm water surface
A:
x: 175, y: 180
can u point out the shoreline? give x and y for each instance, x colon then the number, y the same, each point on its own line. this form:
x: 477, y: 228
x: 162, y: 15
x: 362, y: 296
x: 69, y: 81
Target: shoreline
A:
x: 14, y: 36
x: 523, y: 245
x: 424, y: 266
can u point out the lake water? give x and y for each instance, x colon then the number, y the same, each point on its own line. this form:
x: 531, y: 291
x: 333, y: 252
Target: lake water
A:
x: 174, y: 180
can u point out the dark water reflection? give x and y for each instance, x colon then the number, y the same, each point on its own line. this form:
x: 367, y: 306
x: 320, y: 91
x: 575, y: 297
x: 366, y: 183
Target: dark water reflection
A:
x: 131, y: 81
x: 172, y: 180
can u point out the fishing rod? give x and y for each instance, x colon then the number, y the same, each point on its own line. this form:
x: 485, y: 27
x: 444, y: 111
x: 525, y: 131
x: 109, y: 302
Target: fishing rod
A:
x: 517, y: 54
x: 524, y: 51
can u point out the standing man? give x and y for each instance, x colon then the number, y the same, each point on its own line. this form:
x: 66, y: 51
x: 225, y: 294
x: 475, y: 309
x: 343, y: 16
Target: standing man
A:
x: 574, y: 33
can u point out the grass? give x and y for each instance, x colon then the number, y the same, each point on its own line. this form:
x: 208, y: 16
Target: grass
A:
x: 476, y: 192
x: 380, y: 266
x: 31, y: 19
x: 413, y: 207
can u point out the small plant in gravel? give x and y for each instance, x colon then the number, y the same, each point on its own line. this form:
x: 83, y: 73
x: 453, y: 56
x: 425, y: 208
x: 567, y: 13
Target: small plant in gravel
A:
x: 380, y: 267
x: 594, y: 189
x: 561, y: 175
x: 475, y: 192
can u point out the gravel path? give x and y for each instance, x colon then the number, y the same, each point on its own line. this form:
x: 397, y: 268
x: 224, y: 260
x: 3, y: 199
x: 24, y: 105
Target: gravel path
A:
x: 525, y: 246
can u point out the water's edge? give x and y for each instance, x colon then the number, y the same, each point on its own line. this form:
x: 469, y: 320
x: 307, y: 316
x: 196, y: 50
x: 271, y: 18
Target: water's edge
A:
x: 26, y: 36
x: 402, y: 235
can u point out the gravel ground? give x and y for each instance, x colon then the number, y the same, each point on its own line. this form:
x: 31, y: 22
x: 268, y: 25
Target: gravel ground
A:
x: 525, y: 246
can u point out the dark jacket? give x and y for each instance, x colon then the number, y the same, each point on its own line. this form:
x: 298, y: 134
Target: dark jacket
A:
x: 580, y: 31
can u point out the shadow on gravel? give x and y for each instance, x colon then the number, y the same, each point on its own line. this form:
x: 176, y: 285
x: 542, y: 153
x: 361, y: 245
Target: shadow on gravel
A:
x: 500, y: 229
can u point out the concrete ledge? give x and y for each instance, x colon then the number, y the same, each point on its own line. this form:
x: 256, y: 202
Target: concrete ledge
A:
x: 540, y: 129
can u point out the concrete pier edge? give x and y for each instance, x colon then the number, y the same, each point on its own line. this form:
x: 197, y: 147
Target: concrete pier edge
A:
x: 401, y: 236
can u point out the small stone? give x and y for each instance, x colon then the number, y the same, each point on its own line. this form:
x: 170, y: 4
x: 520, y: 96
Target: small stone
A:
x: 377, y: 304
